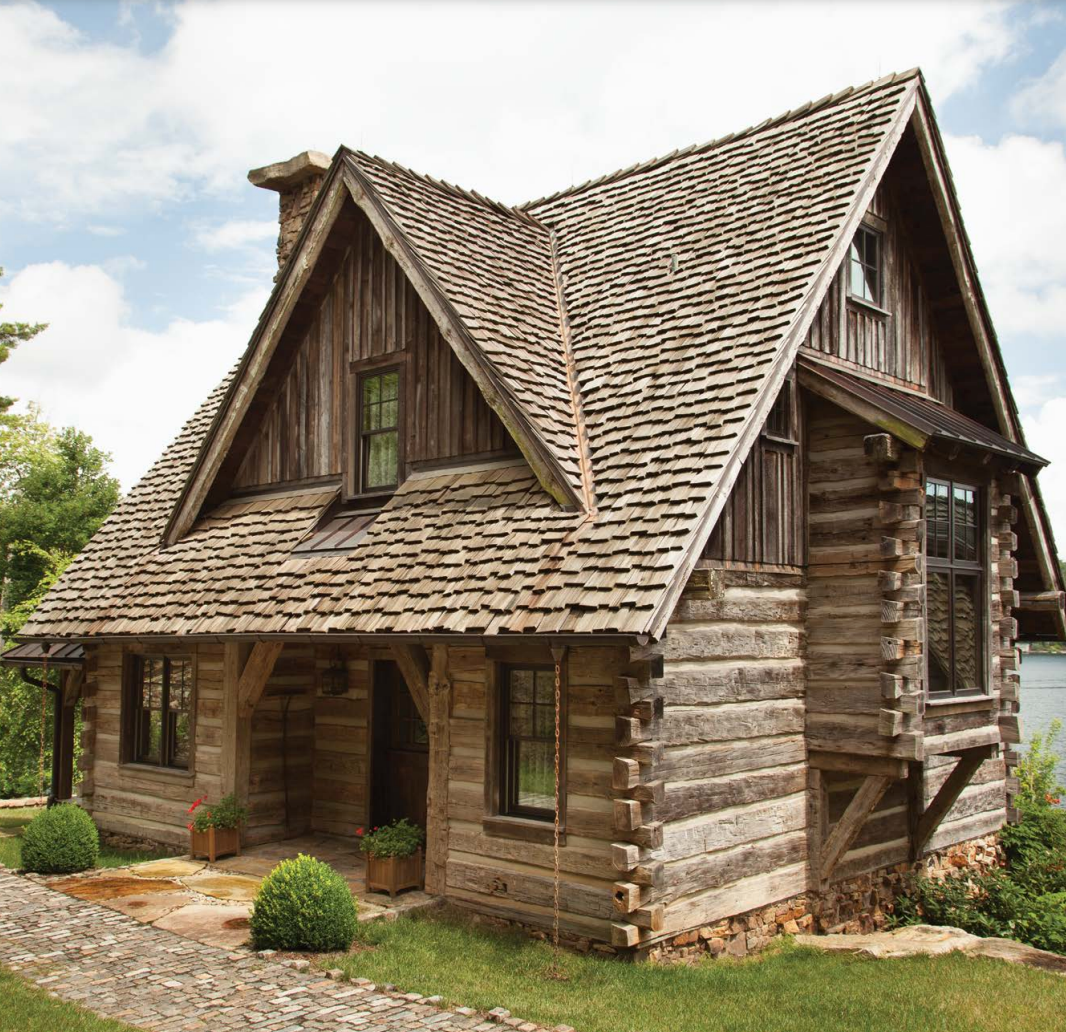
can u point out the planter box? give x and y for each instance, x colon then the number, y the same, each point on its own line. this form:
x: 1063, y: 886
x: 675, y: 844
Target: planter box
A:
x: 215, y: 842
x: 394, y: 873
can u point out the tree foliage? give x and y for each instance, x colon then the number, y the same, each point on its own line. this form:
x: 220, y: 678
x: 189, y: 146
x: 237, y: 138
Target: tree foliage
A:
x: 55, y: 492
x: 11, y: 336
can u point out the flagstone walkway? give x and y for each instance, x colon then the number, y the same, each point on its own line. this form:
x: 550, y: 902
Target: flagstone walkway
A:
x: 134, y: 972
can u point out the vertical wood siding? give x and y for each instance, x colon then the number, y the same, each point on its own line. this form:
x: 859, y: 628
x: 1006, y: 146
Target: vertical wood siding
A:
x: 764, y: 519
x: 279, y: 805
x: 369, y: 314
x: 900, y: 343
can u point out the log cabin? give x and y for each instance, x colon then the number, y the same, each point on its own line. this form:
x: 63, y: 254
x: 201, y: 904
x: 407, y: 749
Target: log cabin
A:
x: 662, y: 546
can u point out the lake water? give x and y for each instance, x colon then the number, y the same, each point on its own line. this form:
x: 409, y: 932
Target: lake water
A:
x: 1043, y: 698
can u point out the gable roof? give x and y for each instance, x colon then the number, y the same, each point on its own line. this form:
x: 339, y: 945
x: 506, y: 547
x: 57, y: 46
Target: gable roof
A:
x: 632, y: 332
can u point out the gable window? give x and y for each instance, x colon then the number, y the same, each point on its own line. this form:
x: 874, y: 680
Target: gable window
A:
x: 864, y: 266
x: 781, y: 422
x: 527, y: 742
x: 378, y: 399
x: 159, y: 710
x: 954, y: 588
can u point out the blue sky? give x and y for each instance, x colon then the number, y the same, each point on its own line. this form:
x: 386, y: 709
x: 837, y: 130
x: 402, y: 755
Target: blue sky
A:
x: 127, y: 223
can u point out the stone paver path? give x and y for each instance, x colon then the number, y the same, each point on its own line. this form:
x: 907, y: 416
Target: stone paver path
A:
x: 134, y: 972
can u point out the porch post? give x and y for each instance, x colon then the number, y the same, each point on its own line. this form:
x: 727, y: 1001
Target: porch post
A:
x: 236, y: 730
x: 440, y: 706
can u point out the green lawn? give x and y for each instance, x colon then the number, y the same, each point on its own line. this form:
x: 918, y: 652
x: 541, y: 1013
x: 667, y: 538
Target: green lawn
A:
x: 29, y: 1009
x: 787, y: 989
x: 11, y: 845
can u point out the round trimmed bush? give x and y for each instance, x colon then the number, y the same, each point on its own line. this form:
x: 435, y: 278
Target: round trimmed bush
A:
x: 303, y: 904
x: 60, y: 840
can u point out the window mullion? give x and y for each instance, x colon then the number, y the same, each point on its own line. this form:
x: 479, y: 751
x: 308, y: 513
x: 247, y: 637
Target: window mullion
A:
x: 164, y: 723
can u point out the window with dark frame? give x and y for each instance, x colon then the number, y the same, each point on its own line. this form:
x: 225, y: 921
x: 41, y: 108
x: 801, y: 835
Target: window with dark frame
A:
x: 378, y: 398
x: 527, y: 742
x: 160, y: 701
x: 781, y: 422
x: 954, y: 588
x: 864, y: 266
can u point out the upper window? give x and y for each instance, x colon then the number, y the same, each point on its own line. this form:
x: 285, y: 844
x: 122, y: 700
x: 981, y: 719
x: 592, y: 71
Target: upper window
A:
x: 527, y: 748
x: 864, y: 266
x: 379, y: 431
x: 954, y: 588
x: 160, y: 707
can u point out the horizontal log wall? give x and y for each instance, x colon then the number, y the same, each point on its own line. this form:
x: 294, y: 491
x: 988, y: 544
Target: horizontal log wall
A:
x: 370, y: 313
x: 900, y: 341
x: 846, y: 590
x: 734, y: 811
x: 137, y: 799
x: 511, y: 877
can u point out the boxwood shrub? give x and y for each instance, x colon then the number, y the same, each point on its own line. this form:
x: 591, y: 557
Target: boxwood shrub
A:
x: 303, y: 904
x: 60, y: 840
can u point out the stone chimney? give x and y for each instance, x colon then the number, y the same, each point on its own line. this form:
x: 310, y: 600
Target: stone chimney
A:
x: 296, y: 181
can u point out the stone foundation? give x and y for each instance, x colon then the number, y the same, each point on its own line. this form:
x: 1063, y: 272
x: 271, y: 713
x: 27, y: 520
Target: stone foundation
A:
x: 856, y: 905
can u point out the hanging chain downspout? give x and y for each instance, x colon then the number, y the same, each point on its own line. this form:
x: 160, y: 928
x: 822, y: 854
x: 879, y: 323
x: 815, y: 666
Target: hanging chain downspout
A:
x: 44, y: 717
x: 557, y: 655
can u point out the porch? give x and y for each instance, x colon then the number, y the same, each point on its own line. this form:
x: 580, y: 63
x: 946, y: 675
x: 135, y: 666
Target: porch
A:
x: 211, y: 903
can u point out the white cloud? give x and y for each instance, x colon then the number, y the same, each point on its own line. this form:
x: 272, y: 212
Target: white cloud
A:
x: 1044, y: 99
x: 236, y: 234
x: 515, y: 99
x: 1044, y: 434
x: 130, y: 388
x: 1013, y: 196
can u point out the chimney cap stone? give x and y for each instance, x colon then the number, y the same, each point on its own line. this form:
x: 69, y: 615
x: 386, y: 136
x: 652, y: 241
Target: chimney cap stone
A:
x: 284, y: 175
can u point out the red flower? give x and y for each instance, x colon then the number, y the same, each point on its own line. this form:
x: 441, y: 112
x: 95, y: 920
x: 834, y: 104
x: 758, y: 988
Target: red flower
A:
x: 359, y: 832
x: 189, y: 826
x: 196, y: 804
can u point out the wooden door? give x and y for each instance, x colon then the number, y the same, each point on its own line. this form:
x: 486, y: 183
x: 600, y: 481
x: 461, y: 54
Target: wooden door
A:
x: 400, y: 751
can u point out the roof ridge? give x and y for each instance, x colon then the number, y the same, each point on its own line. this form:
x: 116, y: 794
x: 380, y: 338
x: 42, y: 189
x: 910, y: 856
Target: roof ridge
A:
x: 452, y: 188
x: 642, y: 166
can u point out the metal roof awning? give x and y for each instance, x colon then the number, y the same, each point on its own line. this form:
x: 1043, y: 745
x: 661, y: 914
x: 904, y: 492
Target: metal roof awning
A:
x: 913, y: 418
x: 32, y: 653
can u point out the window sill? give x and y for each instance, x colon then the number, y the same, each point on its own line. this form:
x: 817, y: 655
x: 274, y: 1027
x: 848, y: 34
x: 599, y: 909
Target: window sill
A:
x: 523, y: 829
x: 177, y: 773
x: 976, y: 701
x: 868, y: 306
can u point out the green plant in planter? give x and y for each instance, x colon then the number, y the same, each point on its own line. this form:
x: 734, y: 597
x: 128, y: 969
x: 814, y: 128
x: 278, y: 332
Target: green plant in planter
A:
x: 226, y: 813
x: 399, y: 839
x: 60, y: 840
x: 303, y: 904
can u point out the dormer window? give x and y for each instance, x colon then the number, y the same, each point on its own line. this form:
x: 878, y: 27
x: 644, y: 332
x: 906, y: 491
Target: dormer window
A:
x: 864, y: 266
x: 378, y: 419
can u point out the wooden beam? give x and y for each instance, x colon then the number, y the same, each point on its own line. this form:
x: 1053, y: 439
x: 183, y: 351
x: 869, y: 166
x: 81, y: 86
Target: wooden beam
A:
x: 72, y: 685
x: 414, y: 665
x: 255, y: 675
x: 851, y: 822
x: 439, y: 687
x: 1041, y: 601
x: 236, y: 730
x: 849, y: 763
x: 946, y: 797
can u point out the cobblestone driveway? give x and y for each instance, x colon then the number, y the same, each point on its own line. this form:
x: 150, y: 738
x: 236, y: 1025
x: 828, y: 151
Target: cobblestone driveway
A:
x: 146, y: 976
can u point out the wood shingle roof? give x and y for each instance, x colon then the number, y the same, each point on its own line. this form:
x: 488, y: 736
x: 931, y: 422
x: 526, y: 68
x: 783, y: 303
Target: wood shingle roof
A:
x: 641, y: 324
